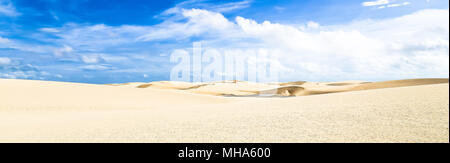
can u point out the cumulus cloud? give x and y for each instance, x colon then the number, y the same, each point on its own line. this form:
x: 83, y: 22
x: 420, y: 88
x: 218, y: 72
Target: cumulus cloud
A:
x: 199, y: 23
x: 414, y: 45
x: 410, y: 46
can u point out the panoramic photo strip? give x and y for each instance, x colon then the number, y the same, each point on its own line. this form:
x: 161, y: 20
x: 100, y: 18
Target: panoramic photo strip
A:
x: 253, y: 72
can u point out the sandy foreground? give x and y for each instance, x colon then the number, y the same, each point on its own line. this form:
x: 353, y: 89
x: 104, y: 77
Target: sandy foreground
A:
x: 231, y: 111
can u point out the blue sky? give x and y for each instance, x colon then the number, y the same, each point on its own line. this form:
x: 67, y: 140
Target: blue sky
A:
x: 116, y: 41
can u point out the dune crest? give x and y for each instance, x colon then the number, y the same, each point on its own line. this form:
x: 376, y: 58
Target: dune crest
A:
x: 400, y: 83
x: 288, y: 89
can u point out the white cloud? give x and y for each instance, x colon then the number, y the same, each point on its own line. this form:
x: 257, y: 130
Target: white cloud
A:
x: 376, y: 3
x: 97, y: 37
x: 232, y: 6
x: 13, y: 69
x: 49, y: 30
x: 382, y: 4
x: 8, y: 9
x: 199, y: 22
x: 205, y: 5
x: 60, y: 52
x: 414, y: 45
x: 4, y: 61
x: 58, y: 76
x: 24, y: 47
x: 4, y: 40
x: 312, y: 24
x: 92, y: 58
x: 364, y: 49
x: 102, y: 67
x: 371, y: 49
x: 398, y: 4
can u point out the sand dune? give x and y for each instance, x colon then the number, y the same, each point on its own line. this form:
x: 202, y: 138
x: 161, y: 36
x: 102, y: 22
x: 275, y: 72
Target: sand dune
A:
x: 30, y: 95
x: 396, y: 111
x: 399, y: 83
x: 300, y: 88
x: 225, y: 88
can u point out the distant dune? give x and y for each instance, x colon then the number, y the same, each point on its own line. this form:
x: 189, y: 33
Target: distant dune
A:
x: 415, y: 110
x: 301, y: 88
x: 399, y: 83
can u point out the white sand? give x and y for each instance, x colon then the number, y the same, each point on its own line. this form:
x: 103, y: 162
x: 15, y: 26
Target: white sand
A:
x: 40, y: 111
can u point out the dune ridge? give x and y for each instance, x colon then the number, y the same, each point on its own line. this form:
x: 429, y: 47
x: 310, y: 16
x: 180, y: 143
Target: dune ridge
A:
x: 288, y: 89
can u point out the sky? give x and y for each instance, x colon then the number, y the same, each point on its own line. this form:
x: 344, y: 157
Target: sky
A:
x: 116, y: 41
